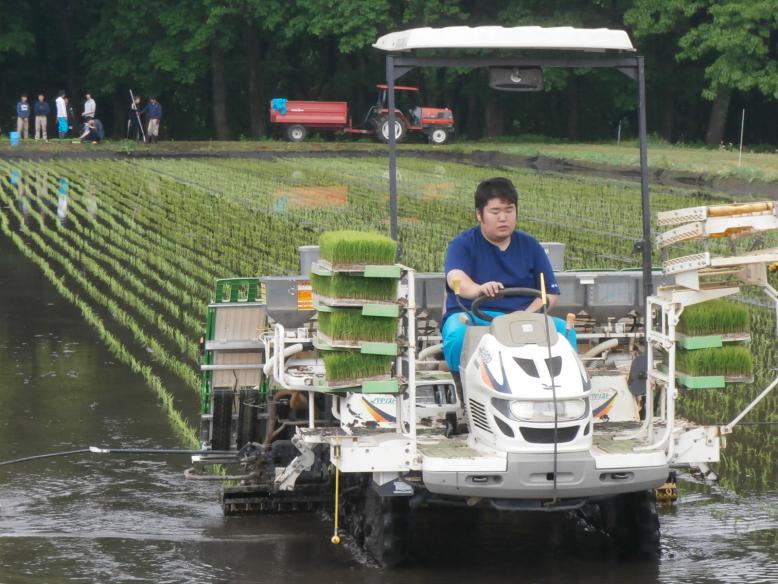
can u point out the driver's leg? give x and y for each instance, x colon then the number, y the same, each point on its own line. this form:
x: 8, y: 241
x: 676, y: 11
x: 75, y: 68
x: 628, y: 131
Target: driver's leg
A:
x: 453, y: 333
x: 561, y: 328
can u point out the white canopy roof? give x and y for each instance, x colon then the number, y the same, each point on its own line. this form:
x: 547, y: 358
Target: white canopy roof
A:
x: 498, y: 37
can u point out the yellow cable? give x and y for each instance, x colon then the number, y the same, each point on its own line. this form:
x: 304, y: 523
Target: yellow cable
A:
x: 543, y: 288
x: 335, y: 537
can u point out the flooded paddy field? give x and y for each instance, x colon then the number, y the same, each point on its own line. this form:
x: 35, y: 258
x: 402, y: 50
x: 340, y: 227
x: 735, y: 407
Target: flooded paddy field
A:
x: 87, y: 369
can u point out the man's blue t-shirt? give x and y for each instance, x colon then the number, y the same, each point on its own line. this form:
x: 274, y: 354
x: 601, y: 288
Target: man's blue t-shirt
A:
x: 519, y: 266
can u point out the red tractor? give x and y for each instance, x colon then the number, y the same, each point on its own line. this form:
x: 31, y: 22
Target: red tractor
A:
x: 299, y: 117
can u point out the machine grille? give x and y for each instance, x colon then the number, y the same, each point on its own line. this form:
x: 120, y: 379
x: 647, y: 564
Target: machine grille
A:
x: 478, y: 414
x: 546, y: 435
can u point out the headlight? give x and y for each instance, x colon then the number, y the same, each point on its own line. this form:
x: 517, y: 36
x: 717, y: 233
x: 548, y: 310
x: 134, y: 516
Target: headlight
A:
x: 567, y: 410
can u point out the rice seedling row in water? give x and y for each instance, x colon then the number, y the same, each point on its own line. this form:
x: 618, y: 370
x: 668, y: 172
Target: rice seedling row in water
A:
x: 152, y: 201
x: 179, y: 423
x: 106, y: 258
x: 146, y: 229
x: 74, y: 246
x: 348, y: 324
x: 146, y: 224
x: 353, y: 366
x: 272, y: 238
x: 143, y: 252
x: 158, y: 353
x: 106, y: 255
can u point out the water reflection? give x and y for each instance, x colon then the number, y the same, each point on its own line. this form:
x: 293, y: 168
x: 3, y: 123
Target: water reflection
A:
x: 62, y: 199
x: 290, y: 198
x: 17, y: 181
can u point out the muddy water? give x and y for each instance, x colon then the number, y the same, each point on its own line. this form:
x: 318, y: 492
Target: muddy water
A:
x: 103, y: 519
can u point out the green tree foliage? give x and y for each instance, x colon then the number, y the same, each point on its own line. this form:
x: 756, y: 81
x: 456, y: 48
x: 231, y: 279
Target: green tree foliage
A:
x: 16, y: 36
x: 215, y: 64
x: 734, y: 40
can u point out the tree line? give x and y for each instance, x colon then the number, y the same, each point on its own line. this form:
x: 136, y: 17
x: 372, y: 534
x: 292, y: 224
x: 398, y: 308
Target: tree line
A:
x: 215, y: 64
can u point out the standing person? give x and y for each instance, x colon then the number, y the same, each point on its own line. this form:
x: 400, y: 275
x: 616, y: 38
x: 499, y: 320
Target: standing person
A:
x: 23, y: 117
x: 134, y: 128
x: 71, y: 114
x: 41, y: 118
x: 89, y: 108
x: 62, y: 114
x: 153, y: 111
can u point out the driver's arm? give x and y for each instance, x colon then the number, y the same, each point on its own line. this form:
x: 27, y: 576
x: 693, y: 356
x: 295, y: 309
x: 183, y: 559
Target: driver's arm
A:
x: 469, y: 289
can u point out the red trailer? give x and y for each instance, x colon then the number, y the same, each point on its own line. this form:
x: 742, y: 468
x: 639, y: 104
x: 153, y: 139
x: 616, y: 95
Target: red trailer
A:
x: 298, y: 117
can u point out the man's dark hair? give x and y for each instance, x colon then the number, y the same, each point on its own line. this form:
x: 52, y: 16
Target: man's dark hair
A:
x: 495, y: 188
x: 23, y: 95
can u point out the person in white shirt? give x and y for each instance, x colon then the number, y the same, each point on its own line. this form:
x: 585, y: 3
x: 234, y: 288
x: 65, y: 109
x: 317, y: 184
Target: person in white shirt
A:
x: 62, y: 115
x: 89, y: 108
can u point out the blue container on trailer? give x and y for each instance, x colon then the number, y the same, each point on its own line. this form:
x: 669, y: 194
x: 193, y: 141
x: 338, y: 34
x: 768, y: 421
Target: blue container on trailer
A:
x: 14, y: 138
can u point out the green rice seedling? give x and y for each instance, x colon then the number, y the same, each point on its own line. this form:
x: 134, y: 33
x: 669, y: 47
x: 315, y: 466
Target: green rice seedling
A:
x: 345, y: 366
x: 341, y: 285
x: 348, y: 324
x: 730, y: 361
x: 357, y: 248
x: 714, y: 317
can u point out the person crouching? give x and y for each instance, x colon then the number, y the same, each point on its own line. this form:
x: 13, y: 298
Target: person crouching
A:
x: 93, y: 131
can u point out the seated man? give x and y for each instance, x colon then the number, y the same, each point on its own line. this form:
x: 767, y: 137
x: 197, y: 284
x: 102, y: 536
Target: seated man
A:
x: 489, y: 257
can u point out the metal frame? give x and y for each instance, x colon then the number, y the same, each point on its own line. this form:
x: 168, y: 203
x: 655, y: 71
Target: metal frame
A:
x: 398, y: 64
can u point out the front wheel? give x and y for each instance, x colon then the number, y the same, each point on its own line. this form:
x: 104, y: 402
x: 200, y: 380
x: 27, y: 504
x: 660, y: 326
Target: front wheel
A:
x: 438, y: 136
x: 631, y: 520
x: 296, y: 133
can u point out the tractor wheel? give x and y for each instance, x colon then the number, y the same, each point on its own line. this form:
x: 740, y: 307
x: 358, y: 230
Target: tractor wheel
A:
x: 632, y: 522
x: 221, y: 429
x: 385, y: 528
x: 438, y: 136
x: 382, y: 132
x: 296, y: 133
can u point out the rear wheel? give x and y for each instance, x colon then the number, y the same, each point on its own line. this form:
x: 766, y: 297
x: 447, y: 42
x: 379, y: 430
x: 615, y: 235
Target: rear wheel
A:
x: 386, y: 528
x: 438, y: 136
x: 379, y: 525
x: 382, y: 130
x: 296, y: 133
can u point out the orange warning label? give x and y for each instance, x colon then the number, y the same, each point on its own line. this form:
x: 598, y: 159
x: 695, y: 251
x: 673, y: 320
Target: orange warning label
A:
x: 304, y: 295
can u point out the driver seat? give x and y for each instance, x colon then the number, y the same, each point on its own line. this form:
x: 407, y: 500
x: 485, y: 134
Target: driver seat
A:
x: 524, y: 328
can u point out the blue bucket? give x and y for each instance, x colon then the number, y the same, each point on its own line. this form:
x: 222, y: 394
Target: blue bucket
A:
x: 14, y: 138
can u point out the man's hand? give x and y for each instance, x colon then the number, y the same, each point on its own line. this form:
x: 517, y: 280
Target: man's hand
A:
x: 490, y: 289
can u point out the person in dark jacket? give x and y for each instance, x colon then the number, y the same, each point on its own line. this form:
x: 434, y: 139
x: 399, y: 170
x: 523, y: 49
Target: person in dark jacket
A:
x: 153, y: 111
x: 134, y: 127
x: 23, y: 117
x: 41, y: 110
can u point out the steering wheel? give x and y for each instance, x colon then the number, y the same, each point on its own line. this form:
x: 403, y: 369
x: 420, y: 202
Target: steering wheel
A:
x: 476, y: 305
